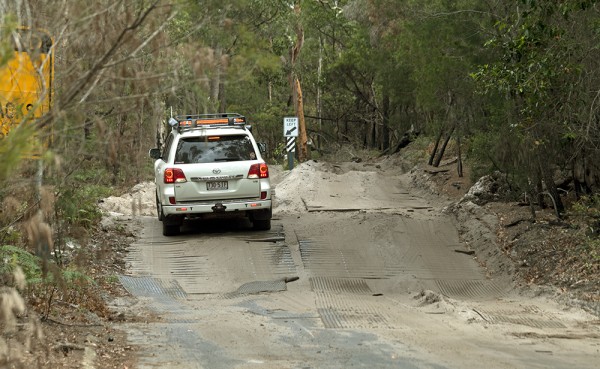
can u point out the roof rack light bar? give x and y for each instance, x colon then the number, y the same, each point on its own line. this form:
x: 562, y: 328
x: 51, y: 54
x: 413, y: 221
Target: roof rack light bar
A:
x: 198, y: 120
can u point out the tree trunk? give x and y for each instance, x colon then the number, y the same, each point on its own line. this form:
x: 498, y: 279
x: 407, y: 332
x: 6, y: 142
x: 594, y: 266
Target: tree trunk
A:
x: 385, y: 130
x: 302, y: 139
x: 371, y: 135
x: 459, y: 165
x: 548, y: 179
x: 319, y: 92
x: 222, y: 97
x: 405, y: 140
x: 435, y: 147
x: 437, y: 142
x: 437, y: 161
x: 215, y: 82
x: 296, y: 90
x: 540, y: 190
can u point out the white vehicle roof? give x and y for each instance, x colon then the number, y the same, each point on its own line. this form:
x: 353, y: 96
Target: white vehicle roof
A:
x: 211, y: 131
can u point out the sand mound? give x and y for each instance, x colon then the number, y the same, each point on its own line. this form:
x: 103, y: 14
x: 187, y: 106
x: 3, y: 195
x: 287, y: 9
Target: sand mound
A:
x: 138, y: 201
x: 293, y: 186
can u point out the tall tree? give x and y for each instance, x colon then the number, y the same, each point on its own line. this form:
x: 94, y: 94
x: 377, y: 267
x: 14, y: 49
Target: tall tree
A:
x: 544, y: 51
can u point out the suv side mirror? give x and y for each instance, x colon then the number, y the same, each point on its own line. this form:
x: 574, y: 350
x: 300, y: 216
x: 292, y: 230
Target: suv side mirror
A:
x: 262, y: 147
x: 154, y: 153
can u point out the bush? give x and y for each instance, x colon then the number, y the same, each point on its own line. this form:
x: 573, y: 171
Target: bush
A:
x: 78, y: 206
x: 67, y: 285
x: 12, y: 257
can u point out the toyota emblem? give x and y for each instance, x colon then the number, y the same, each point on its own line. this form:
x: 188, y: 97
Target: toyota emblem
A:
x: 216, y: 171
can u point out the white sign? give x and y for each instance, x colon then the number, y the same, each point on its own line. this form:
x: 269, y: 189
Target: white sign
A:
x: 290, y: 126
x: 290, y: 145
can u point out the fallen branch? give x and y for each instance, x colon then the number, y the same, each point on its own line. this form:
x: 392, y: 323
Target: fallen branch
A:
x: 517, y: 221
x: 340, y: 210
x: 566, y: 336
x: 66, y: 347
x: 266, y: 239
x: 435, y: 170
x: 50, y: 320
x: 467, y: 252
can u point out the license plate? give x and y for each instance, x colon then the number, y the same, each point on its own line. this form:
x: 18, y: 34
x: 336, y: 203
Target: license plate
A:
x: 218, y: 185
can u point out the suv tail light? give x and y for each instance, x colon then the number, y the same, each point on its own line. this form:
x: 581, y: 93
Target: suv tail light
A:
x: 260, y: 170
x: 174, y: 175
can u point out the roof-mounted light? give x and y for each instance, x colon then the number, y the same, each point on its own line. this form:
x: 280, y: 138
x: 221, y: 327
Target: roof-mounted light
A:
x: 182, y: 122
x: 211, y: 121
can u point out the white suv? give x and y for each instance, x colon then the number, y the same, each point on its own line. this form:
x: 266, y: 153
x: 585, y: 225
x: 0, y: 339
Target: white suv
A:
x: 211, y: 166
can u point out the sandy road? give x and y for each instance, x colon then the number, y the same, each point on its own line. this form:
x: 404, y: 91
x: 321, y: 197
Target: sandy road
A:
x: 380, y: 284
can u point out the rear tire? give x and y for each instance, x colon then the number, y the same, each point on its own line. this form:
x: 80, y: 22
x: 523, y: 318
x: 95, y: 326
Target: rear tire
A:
x: 262, y: 224
x: 170, y: 229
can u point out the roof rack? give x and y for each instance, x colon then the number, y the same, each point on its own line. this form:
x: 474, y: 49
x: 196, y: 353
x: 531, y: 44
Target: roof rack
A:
x: 186, y: 122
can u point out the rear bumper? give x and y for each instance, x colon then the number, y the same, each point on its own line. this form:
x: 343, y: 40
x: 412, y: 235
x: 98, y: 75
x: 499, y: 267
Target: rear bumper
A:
x: 209, y: 207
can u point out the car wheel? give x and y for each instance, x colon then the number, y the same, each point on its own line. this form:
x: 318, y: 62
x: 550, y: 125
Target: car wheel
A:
x: 261, y: 225
x: 170, y: 229
x: 159, y: 211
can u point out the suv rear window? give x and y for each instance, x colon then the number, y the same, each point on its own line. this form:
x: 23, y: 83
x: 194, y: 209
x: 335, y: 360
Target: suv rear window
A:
x: 214, y: 148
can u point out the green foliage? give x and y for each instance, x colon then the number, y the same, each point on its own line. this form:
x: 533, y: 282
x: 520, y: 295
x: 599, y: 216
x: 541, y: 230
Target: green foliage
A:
x: 78, y: 204
x: 69, y: 277
x: 280, y: 157
x: 591, y: 252
x: 587, y: 207
x: 498, y: 150
x: 587, y: 211
x: 14, y: 148
x: 6, y: 49
x: 481, y: 157
x: 46, y: 281
x: 68, y: 285
x: 268, y: 127
x: 537, y: 55
x: 112, y: 279
x: 12, y: 256
x: 79, y: 208
x: 92, y: 175
x: 10, y: 235
x: 280, y: 151
x: 543, y: 72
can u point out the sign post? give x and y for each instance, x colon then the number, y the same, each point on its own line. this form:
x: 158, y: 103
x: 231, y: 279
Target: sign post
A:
x: 290, y: 132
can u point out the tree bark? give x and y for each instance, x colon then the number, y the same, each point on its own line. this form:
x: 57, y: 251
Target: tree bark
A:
x: 437, y: 142
x: 437, y: 161
x: 405, y: 140
x: 540, y: 190
x: 371, y: 135
x: 435, y: 147
x: 459, y: 165
x: 215, y: 82
x: 548, y: 179
x: 385, y: 130
x: 319, y: 93
x: 296, y: 90
x: 302, y: 139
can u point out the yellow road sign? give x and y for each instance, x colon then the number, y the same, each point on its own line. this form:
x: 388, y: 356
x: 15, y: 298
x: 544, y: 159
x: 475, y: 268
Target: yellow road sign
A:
x: 26, y: 80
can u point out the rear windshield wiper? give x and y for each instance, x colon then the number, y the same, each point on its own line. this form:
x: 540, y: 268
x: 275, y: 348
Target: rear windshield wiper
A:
x: 228, y: 159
